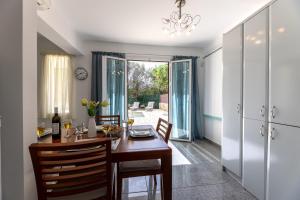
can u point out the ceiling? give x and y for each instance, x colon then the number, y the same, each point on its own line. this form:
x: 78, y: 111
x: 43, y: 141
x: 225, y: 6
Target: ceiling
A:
x: 139, y: 21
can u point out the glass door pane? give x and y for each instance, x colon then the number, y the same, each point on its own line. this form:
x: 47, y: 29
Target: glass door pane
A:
x: 114, y: 86
x: 180, y: 99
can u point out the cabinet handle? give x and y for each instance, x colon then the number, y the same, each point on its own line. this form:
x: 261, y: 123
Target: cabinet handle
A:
x: 273, y: 112
x: 261, y: 130
x: 273, y: 132
x: 262, y: 111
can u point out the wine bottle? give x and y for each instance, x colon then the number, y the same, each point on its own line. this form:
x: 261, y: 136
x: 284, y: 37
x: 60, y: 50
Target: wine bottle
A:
x: 56, y: 125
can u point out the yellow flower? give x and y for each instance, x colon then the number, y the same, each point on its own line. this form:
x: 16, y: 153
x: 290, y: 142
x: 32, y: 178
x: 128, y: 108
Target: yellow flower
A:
x: 104, y: 103
x: 84, y: 102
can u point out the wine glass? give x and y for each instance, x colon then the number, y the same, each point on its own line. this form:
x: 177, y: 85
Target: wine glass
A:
x: 41, y: 129
x: 130, y: 122
x: 68, y: 127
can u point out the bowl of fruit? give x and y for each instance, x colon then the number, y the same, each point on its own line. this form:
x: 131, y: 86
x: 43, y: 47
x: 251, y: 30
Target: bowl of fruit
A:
x: 111, y: 130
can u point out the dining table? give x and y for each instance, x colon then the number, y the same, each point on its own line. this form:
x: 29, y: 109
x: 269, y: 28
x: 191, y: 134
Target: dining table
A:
x: 133, y: 149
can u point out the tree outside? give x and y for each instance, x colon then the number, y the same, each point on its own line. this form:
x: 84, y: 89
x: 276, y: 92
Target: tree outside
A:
x: 147, y: 81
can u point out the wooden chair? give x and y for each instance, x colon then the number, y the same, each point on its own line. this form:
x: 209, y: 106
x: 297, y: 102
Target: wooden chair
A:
x: 164, y: 129
x: 113, y: 119
x: 79, y: 170
x: 150, y: 167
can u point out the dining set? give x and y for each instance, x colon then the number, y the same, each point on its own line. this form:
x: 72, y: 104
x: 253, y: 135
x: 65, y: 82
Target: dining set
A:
x: 94, y: 168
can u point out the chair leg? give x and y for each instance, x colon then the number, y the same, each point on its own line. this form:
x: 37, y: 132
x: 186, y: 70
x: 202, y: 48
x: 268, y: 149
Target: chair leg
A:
x: 155, y: 181
x: 161, y: 187
x: 119, y: 188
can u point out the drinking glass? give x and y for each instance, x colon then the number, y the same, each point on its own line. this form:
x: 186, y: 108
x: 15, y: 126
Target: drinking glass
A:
x: 41, y: 129
x: 130, y: 122
x: 68, y: 127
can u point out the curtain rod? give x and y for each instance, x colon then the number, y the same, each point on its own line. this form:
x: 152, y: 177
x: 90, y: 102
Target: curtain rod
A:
x: 139, y: 54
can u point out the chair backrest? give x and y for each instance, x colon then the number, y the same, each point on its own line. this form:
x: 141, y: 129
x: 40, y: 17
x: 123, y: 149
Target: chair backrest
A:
x: 112, y: 119
x: 164, y: 129
x: 65, y: 169
x: 136, y: 104
x: 151, y: 104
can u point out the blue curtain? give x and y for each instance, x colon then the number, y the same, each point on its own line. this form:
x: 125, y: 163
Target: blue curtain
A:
x: 196, y: 120
x: 96, y: 93
x: 116, y: 87
x: 180, y: 99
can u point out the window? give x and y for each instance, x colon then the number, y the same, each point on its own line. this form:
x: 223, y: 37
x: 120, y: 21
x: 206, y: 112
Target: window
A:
x: 56, y: 79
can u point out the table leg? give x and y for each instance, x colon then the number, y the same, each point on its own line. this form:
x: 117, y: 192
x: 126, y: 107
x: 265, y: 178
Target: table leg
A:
x: 167, y: 176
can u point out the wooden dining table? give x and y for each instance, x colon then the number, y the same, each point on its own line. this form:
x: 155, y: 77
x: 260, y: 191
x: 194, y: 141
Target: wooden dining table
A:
x: 130, y: 149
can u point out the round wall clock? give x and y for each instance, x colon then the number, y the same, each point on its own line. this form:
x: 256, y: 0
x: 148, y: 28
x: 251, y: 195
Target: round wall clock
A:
x: 81, y: 73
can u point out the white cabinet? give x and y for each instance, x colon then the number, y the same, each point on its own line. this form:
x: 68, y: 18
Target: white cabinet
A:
x: 255, y: 97
x: 256, y: 66
x: 284, y: 171
x: 254, y: 157
x: 285, y: 62
x: 232, y: 100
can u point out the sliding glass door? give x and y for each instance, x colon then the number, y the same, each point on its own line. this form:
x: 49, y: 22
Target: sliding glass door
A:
x: 114, y: 86
x: 180, y: 99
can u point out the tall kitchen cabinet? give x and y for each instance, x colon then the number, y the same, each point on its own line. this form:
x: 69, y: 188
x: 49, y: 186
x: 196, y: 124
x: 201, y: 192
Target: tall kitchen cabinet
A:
x: 232, y: 100
x: 255, y: 98
x: 284, y: 117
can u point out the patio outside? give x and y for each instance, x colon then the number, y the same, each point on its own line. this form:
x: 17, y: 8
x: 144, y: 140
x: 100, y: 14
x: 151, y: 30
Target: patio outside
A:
x: 147, y: 92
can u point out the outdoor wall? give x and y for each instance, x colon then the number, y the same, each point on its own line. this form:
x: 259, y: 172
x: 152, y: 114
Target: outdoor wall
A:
x: 134, y: 52
x: 213, y: 96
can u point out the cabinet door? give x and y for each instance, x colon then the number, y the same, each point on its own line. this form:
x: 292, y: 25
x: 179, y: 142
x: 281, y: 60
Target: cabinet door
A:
x: 232, y: 100
x: 284, y: 170
x: 256, y: 66
x: 254, y: 157
x: 285, y: 62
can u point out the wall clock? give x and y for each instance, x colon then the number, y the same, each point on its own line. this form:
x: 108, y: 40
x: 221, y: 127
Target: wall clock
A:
x: 81, y: 73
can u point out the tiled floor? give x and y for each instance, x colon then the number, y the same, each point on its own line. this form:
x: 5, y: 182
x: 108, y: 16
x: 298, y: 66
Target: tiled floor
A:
x: 202, y: 179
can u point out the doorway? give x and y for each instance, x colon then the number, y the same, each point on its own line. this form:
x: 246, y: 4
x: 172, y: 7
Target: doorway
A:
x: 148, y: 91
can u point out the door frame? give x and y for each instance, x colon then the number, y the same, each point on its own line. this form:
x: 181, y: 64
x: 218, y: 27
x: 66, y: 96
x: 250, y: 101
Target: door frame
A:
x: 190, y: 99
x: 104, y: 83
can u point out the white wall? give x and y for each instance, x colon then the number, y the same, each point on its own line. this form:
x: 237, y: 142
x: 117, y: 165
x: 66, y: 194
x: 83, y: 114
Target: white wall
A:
x: 213, y: 96
x: 137, y: 52
x: 18, y: 97
x: 55, y: 26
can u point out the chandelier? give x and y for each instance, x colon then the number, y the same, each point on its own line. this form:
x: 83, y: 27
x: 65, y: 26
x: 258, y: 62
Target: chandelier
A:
x: 179, y: 23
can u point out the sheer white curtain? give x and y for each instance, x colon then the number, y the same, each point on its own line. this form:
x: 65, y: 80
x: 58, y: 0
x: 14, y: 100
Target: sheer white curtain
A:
x: 56, y: 88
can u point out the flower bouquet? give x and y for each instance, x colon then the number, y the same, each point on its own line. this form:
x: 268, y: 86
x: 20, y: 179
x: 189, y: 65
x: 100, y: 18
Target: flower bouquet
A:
x: 92, y: 107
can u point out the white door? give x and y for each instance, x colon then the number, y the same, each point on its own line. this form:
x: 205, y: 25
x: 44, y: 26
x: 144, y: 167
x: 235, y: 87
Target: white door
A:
x: 285, y: 62
x: 232, y: 100
x: 180, y: 99
x: 114, y: 86
x: 284, y: 167
x: 255, y: 133
x: 256, y: 67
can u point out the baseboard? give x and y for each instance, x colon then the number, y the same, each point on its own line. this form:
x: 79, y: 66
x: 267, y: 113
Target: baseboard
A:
x: 212, y: 142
